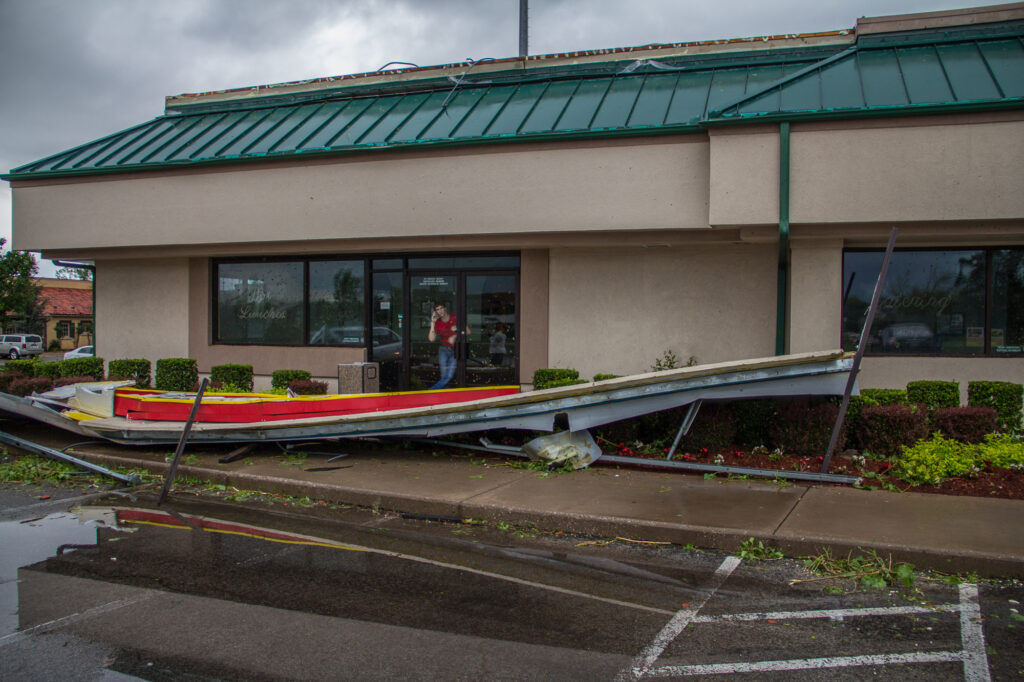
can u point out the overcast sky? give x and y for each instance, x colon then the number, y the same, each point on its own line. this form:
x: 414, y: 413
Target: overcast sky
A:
x: 72, y: 71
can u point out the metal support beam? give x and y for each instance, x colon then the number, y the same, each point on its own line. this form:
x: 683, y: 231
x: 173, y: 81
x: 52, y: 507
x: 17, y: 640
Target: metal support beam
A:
x: 130, y: 479
x: 684, y: 428
x: 181, y: 443
x: 865, y: 335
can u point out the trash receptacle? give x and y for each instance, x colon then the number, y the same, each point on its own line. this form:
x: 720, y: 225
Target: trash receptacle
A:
x: 358, y: 377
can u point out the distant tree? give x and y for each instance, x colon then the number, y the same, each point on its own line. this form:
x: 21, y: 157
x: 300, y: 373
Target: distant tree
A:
x: 17, y: 291
x: 84, y: 274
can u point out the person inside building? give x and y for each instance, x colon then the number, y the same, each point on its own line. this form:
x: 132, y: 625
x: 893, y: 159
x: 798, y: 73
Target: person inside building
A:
x: 444, y: 328
x: 497, y: 346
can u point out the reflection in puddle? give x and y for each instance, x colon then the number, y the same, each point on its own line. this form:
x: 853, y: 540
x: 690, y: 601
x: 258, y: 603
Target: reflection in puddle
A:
x: 26, y: 542
x: 365, y: 573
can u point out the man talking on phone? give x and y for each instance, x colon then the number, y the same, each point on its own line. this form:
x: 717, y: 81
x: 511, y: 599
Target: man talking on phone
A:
x: 444, y: 326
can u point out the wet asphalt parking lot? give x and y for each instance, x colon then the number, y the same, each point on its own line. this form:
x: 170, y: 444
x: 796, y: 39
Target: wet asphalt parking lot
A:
x: 209, y: 590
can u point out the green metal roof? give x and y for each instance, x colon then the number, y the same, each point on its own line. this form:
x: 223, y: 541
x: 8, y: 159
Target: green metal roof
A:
x: 890, y: 73
x: 879, y: 77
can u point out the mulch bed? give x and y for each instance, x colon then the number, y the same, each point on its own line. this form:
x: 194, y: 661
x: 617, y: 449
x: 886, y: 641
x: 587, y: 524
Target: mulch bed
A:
x: 991, y: 482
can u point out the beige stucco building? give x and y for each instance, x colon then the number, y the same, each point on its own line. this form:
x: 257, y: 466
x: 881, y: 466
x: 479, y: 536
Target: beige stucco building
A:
x: 720, y: 200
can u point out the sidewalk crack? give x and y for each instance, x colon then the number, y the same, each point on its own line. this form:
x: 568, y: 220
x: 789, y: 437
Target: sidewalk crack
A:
x: 785, y: 518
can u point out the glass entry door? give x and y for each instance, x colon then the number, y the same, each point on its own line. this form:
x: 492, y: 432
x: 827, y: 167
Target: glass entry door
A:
x: 437, y: 363
x: 492, y: 349
x: 482, y: 314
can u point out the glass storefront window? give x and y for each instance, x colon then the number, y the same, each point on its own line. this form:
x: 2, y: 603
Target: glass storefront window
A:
x: 934, y: 302
x: 260, y: 303
x: 1007, y: 302
x: 336, y: 303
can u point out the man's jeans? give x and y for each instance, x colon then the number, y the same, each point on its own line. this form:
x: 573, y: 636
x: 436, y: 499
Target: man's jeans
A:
x: 446, y: 357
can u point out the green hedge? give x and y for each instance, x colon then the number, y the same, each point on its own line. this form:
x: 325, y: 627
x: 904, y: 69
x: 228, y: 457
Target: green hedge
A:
x: 23, y: 368
x: 82, y: 367
x: 935, y: 394
x: 280, y: 377
x: 176, y: 374
x: 48, y: 369
x: 885, y: 396
x: 1005, y: 397
x: 550, y: 378
x: 137, y: 369
x: 233, y: 377
x: 605, y: 377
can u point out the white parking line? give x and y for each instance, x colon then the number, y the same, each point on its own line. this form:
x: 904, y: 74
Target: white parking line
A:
x: 971, y: 635
x: 806, y: 664
x: 642, y: 664
x: 973, y: 654
x: 831, y: 614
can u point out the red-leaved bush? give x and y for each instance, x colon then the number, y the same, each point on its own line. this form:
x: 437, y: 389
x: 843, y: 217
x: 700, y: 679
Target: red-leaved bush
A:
x: 23, y: 386
x: 308, y: 387
x: 967, y: 424
x: 882, y: 429
x: 67, y: 381
x: 804, y: 428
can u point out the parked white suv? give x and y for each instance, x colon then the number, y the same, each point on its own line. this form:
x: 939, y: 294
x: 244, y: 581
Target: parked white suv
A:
x: 14, y: 346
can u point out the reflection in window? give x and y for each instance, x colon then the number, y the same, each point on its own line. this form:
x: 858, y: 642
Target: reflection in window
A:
x: 1007, y: 301
x: 336, y: 303
x: 934, y: 302
x: 260, y: 303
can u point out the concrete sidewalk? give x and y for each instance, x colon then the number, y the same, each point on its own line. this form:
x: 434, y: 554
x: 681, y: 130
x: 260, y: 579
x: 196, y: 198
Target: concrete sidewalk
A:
x: 947, y: 533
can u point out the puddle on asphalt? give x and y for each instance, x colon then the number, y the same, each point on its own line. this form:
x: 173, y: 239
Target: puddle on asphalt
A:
x: 360, y: 572
x: 26, y: 542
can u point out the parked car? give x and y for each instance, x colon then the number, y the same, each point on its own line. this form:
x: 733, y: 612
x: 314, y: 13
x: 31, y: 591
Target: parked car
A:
x: 14, y: 346
x: 80, y: 352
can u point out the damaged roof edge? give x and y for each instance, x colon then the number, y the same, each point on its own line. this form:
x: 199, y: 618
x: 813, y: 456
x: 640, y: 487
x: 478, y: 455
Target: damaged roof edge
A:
x: 185, y: 101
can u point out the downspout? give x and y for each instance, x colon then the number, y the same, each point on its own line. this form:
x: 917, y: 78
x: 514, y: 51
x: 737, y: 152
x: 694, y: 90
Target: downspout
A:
x: 782, y: 286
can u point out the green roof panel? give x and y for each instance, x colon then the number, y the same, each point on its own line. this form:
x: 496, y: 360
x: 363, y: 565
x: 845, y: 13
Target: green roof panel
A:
x: 1005, y: 58
x: 892, y: 77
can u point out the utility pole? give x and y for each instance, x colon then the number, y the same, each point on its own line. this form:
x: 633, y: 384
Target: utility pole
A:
x: 524, y: 11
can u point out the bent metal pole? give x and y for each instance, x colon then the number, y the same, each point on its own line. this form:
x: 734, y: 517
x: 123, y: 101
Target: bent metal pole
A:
x: 864, y: 334
x: 181, y: 443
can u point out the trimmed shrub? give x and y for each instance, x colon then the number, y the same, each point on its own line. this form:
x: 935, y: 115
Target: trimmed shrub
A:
x: 550, y: 378
x: 26, y: 386
x: 933, y: 461
x: 238, y: 377
x: 714, y: 428
x: 1001, y: 450
x: 136, y: 369
x: 968, y: 424
x: 308, y: 387
x: 883, y: 429
x: 852, y: 420
x: 54, y: 345
x: 48, y: 369
x: 176, y: 374
x: 280, y: 378
x: 67, y: 381
x: 606, y: 377
x: 886, y: 396
x: 753, y: 420
x: 24, y: 368
x: 80, y: 367
x: 935, y: 394
x: 5, y: 380
x: 805, y: 428
x: 1005, y: 397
